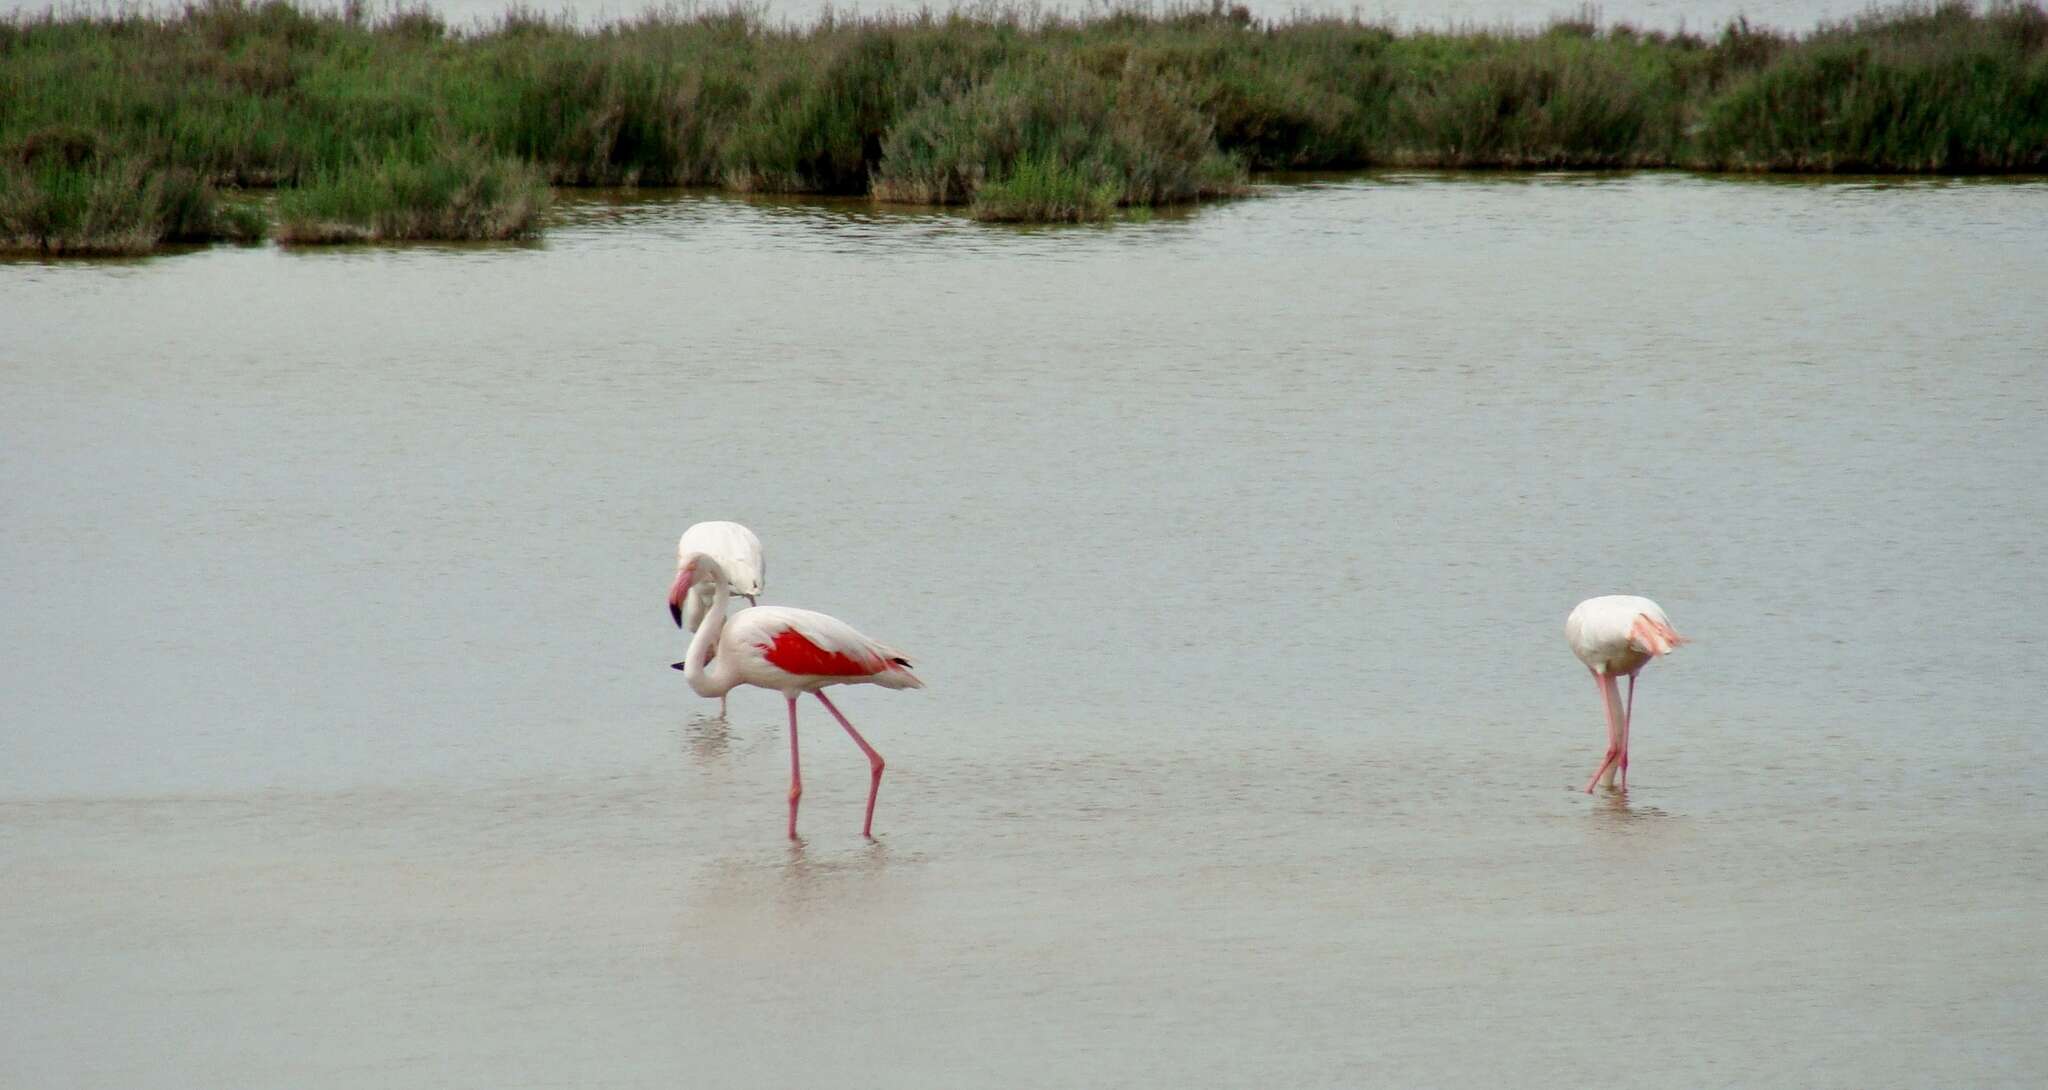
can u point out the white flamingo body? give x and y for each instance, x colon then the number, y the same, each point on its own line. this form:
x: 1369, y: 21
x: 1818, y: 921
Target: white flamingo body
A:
x: 738, y: 552
x: 1602, y: 633
x: 793, y: 652
x: 785, y: 649
x: 1616, y: 635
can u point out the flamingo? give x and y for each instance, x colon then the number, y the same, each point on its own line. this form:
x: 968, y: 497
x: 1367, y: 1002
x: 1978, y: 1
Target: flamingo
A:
x: 792, y: 651
x: 738, y: 551
x: 1617, y: 634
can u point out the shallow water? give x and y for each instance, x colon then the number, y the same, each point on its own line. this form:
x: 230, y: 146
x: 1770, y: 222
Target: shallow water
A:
x: 1235, y: 546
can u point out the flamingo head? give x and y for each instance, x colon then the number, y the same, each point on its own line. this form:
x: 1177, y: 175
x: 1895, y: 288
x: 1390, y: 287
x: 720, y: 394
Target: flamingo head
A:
x: 694, y: 569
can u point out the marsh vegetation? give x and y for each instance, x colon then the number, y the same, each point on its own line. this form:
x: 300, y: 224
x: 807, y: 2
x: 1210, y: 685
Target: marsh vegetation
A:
x: 119, y: 132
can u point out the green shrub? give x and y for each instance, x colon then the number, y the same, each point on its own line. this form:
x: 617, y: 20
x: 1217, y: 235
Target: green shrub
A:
x: 1052, y: 135
x: 600, y: 112
x: 817, y: 124
x: 64, y: 191
x: 1902, y: 98
x: 462, y: 194
x: 1558, y: 101
x: 1035, y: 189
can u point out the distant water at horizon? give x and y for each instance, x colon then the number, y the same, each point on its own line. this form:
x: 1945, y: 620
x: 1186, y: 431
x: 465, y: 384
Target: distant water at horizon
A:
x: 1697, y: 16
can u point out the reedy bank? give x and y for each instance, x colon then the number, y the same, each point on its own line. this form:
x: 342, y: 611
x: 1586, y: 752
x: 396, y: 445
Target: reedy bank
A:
x: 398, y: 127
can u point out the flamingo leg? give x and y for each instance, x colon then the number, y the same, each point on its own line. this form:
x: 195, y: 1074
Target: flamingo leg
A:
x: 874, y: 763
x: 1610, y: 702
x: 796, y: 776
x: 1628, y: 712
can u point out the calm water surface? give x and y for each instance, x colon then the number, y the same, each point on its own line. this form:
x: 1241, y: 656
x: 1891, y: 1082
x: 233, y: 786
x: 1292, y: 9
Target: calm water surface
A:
x: 341, y: 748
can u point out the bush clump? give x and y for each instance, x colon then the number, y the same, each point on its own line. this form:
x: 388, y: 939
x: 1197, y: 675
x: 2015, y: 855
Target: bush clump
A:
x: 1942, y: 90
x: 1054, y: 142
x: 1559, y: 101
x: 66, y: 192
x: 461, y: 194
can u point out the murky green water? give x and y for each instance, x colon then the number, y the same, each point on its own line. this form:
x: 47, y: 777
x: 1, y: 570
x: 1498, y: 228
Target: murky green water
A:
x: 341, y: 747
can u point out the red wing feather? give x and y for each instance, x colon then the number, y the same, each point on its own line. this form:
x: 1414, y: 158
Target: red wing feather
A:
x: 791, y: 651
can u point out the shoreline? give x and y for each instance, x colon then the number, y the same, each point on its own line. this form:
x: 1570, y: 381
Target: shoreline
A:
x: 123, y: 130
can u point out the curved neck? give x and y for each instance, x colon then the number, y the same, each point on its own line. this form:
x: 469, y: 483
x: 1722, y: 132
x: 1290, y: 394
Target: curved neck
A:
x: 705, y: 678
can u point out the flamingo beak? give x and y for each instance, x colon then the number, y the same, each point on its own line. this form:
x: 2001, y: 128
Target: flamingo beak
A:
x: 675, y: 595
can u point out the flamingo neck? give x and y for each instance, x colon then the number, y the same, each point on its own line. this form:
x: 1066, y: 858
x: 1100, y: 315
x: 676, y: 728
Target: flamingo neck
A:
x: 707, y: 678
x: 696, y: 600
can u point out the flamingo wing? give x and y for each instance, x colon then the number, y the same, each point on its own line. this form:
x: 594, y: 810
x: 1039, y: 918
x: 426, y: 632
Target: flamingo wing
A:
x: 811, y: 644
x: 1616, y: 626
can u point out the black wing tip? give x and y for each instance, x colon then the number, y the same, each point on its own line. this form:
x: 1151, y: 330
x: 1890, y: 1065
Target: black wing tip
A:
x: 903, y: 662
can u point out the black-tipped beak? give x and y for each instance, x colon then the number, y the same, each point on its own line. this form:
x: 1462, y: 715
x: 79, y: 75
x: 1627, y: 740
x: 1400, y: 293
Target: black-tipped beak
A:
x: 679, y: 665
x: 676, y: 590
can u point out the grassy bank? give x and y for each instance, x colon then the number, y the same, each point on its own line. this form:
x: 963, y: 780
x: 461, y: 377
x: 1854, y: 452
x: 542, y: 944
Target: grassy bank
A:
x: 397, y: 127
x: 458, y: 193
x: 66, y: 191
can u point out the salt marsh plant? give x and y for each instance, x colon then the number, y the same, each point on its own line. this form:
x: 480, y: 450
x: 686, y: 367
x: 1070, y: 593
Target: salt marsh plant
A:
x: 399, y: 127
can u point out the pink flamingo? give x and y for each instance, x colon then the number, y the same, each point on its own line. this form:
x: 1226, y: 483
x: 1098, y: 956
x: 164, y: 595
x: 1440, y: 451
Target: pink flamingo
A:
x: 1617, y: 634
x: 792, y: 651
x: 738, y: 551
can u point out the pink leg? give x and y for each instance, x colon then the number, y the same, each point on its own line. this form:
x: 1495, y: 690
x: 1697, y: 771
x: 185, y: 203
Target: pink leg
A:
x: 874, y: 765
x: 1610, y: 702
x: 796, y: 776
x: 1628, y: 713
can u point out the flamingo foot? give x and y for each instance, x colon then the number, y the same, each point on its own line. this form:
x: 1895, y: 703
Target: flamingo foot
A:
x: 1612, y: 759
